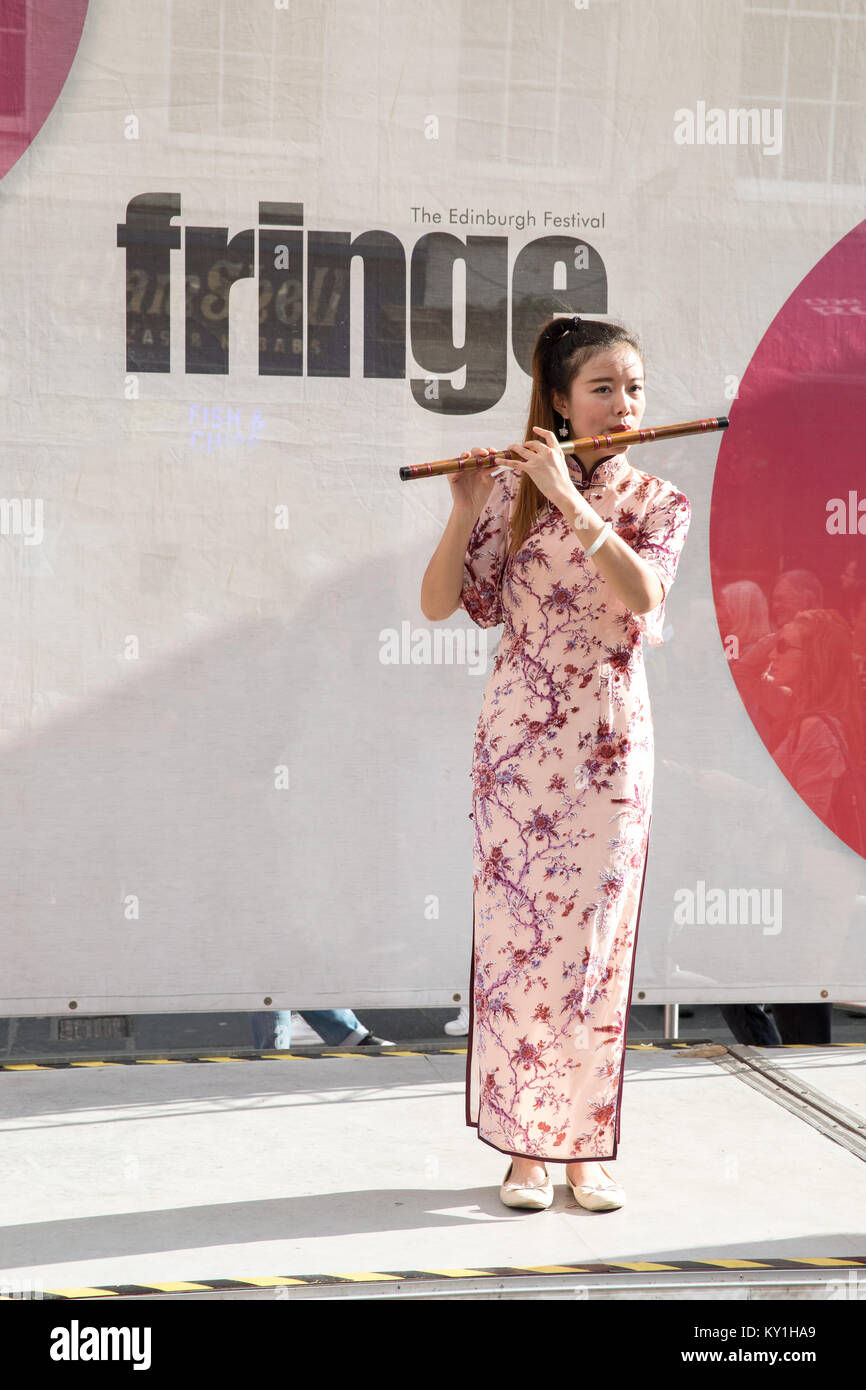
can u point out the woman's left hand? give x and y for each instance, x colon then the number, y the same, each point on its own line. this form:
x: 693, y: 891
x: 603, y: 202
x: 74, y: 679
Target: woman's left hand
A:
x: 544, y: 462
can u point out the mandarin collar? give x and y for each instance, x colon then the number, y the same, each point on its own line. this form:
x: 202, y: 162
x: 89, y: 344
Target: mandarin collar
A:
x: 605, y: 472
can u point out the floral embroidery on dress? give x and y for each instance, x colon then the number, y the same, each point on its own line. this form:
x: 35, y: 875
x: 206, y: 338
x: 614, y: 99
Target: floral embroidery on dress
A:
x: 562, y: 800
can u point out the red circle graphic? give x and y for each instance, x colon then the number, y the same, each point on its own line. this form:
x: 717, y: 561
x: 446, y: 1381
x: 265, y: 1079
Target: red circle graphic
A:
x: 788, y: 540
x: 38, y: 41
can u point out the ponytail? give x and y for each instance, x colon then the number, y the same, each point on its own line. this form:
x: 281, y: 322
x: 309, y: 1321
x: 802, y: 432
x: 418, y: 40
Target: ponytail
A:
x: 561, y: 350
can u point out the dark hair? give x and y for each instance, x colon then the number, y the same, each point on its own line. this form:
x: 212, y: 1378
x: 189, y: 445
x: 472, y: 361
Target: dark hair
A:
x: 562, y: 348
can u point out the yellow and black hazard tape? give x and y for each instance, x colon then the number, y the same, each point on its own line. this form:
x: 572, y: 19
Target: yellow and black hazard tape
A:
x: 315, y: 1053
x: 405, y: 1276
x: 49, y: 1063
x: 46, y: 1064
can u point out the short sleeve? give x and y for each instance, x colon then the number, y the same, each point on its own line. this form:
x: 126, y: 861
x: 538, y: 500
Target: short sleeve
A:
x: 813, y: 764
x: 486, y: 553
x: 660, y: 536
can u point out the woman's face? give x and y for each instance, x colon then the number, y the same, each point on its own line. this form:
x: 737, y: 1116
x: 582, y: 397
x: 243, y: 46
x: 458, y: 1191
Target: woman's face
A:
x: 606, y: 395
x: 787, y: 663
x: 787, y: 601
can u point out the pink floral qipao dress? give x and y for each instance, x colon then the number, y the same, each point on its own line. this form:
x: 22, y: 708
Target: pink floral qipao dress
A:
x: 562, y: 801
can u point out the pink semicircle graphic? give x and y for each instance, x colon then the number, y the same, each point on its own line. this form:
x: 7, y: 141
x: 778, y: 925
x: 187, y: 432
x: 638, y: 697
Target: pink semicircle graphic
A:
x: 38, y: 42
x: 788, y: 539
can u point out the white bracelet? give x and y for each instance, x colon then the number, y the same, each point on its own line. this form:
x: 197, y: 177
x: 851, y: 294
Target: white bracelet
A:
x: 600, y: 538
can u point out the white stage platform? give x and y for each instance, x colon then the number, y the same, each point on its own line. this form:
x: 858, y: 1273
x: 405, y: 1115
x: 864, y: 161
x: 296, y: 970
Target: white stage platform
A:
x: 339, y: 1174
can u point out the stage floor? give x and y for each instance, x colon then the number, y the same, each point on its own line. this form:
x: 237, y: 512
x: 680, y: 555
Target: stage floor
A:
x: 298, y: 1176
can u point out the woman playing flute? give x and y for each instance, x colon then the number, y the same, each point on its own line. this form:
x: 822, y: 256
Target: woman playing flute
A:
x: 575, y: 556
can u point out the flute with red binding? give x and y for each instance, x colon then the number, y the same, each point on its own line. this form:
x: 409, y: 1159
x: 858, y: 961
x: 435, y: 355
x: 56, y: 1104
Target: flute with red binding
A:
x: 570, y: 446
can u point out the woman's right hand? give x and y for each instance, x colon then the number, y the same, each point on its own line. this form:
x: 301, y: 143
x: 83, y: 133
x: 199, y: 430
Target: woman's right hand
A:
x: 758, y: 655
x: 471, y: 489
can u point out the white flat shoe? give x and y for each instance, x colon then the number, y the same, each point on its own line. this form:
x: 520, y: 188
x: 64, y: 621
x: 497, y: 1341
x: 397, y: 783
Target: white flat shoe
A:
x: 599, y: 1196
x: 532, y: 1196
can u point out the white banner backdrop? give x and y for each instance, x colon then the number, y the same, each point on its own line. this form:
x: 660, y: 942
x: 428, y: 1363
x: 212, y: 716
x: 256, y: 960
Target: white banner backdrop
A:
x: 258, y: 256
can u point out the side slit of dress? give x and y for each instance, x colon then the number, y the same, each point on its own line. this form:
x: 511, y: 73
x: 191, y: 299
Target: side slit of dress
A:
x: 470, y: 1048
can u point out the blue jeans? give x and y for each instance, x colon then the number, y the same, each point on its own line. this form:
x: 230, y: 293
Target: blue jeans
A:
x: 333, y: 1026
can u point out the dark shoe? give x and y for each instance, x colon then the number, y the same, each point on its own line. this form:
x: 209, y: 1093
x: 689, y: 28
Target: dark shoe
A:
x: 370, y: 1040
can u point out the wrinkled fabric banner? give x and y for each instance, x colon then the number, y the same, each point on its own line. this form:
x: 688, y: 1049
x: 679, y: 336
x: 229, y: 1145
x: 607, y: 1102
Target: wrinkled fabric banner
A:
x: 259, y: 256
